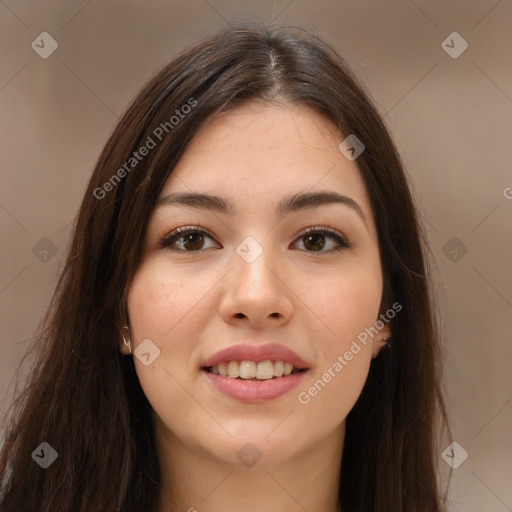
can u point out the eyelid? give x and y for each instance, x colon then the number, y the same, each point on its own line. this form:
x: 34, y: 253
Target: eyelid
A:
x: 183, y: 230
x: 321, y: 228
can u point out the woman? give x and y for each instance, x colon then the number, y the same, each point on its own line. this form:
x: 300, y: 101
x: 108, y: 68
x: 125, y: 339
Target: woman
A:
x: 244, y: 319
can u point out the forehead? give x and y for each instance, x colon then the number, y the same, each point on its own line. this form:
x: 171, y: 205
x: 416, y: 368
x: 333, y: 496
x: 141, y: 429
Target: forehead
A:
x: 257, y: 153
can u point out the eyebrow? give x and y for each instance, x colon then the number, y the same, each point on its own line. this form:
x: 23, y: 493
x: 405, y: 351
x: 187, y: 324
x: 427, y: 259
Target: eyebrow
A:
x: 289, y: 204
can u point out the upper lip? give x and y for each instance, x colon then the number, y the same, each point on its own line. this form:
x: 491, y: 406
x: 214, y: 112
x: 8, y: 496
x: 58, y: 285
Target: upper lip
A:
x: 256, y: 353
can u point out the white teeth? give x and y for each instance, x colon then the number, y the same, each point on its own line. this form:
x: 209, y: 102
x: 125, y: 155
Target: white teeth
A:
x: 223, y: 369
x: 233, y: 369
x: 263, y: 370
x: 247, y: 369
x: 278, y: 368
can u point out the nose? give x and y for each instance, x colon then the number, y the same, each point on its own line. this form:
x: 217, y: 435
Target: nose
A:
x: 257, y: 292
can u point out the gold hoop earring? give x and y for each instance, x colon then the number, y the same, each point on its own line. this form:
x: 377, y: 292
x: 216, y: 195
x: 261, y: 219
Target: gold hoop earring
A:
x: 129, y: 344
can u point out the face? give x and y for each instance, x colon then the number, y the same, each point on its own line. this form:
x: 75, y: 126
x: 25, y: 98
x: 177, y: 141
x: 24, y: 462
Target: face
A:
x: 255, y: 277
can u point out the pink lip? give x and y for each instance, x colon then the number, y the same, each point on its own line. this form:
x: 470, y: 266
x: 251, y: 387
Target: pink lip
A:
x: 256, y: 353
x: 253, y: 391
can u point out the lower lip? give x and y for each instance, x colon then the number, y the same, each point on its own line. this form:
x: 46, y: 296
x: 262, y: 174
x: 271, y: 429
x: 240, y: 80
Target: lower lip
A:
x: 255, y: 391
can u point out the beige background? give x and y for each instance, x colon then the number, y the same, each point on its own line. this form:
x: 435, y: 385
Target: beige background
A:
x: 451, y: 119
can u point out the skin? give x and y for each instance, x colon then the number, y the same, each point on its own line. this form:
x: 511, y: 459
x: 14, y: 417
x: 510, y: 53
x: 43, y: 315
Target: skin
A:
x: 314, y: 302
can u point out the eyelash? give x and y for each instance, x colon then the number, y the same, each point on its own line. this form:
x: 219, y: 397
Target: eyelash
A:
x: 169, y: 239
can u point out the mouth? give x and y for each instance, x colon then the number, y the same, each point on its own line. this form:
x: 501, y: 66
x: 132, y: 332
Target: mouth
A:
x: 254, y: 382
x: 255, y: 373
x: 254, y: 370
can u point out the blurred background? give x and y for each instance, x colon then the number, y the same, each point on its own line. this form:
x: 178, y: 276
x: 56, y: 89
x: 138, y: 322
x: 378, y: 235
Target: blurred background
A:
x: 440, y: 74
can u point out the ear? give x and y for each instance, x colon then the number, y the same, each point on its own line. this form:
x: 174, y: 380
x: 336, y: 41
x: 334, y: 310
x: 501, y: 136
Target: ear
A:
x: 379, y: 340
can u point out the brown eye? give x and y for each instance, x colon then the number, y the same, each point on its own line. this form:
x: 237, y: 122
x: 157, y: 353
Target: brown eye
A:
x: 314, y: 239
x: 314, y: 242
x: 192, y: 239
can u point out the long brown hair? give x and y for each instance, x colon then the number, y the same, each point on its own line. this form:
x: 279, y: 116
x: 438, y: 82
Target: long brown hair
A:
x: 83, y: 397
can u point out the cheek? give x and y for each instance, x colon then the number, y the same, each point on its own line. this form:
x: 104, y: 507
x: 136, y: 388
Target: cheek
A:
x: 346, y: 304
x: 161, y: 302
x: 162, y: 307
